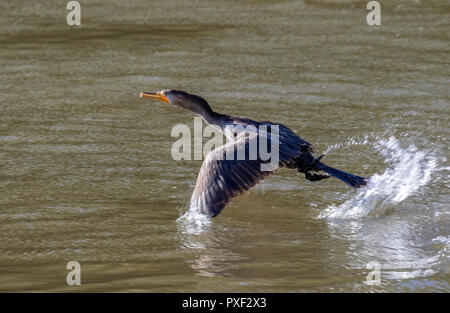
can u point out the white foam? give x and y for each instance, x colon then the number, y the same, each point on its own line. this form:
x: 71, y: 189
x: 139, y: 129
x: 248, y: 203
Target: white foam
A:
x: 193, y: 222
x: 444, y: 253
x: 408, y: 170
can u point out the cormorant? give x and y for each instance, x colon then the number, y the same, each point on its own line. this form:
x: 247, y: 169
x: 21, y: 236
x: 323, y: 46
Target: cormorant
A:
x: 220, y: 178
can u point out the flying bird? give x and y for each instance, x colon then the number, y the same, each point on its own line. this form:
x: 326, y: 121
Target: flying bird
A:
x: 222, y: 178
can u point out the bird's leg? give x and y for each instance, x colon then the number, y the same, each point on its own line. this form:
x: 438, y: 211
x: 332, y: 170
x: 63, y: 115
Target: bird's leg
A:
x: 308, y: 164
x: 315, y: 177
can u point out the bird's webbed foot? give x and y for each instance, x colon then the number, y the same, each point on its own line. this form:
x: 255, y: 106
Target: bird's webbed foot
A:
x: 315, y: 177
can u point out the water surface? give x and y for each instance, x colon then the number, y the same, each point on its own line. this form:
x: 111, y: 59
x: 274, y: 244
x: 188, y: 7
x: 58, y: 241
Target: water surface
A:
x: 86, y: 172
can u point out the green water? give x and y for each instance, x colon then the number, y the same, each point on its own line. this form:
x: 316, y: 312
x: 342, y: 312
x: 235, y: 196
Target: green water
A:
x: 86, y: 172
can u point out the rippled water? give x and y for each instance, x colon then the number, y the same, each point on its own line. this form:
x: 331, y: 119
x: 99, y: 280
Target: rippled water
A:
x: 86, y: 172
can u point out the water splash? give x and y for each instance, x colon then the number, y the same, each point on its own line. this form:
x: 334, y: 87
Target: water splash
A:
x: 408, y: 170
x: 351, y: 142
x: 443, y: 253
x: 193, y: 222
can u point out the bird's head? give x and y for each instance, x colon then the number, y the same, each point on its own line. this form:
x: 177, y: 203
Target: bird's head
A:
x: 180, y: 98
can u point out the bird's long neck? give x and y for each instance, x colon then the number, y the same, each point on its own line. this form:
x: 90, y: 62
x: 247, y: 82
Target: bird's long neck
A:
x: 211, y: 117
x: 216, y: 119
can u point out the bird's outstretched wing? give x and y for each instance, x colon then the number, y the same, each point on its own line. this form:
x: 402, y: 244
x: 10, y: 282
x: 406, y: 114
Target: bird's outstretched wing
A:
x: 220, y: 178
x: 290, y: 138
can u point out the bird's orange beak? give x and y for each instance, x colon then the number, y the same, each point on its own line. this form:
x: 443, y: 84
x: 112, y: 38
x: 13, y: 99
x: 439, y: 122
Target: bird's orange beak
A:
x: 160, y: 95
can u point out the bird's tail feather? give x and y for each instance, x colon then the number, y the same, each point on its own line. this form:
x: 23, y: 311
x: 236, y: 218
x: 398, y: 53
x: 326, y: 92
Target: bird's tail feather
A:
x: 349, y: 179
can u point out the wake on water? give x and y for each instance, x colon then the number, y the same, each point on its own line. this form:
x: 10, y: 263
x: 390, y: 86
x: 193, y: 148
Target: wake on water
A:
x: 408, y: 170
x: 405, y: 172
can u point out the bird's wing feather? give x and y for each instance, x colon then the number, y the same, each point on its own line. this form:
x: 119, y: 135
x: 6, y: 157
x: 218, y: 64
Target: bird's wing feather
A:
x: 289, y: 137
x: 221, y: 179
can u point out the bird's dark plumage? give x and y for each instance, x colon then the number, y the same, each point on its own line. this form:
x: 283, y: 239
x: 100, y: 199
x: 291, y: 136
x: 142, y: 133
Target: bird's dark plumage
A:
x: 222, y: 178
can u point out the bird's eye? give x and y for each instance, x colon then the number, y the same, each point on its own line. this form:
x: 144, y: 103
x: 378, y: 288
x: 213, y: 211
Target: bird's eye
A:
x: 161, y: 93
